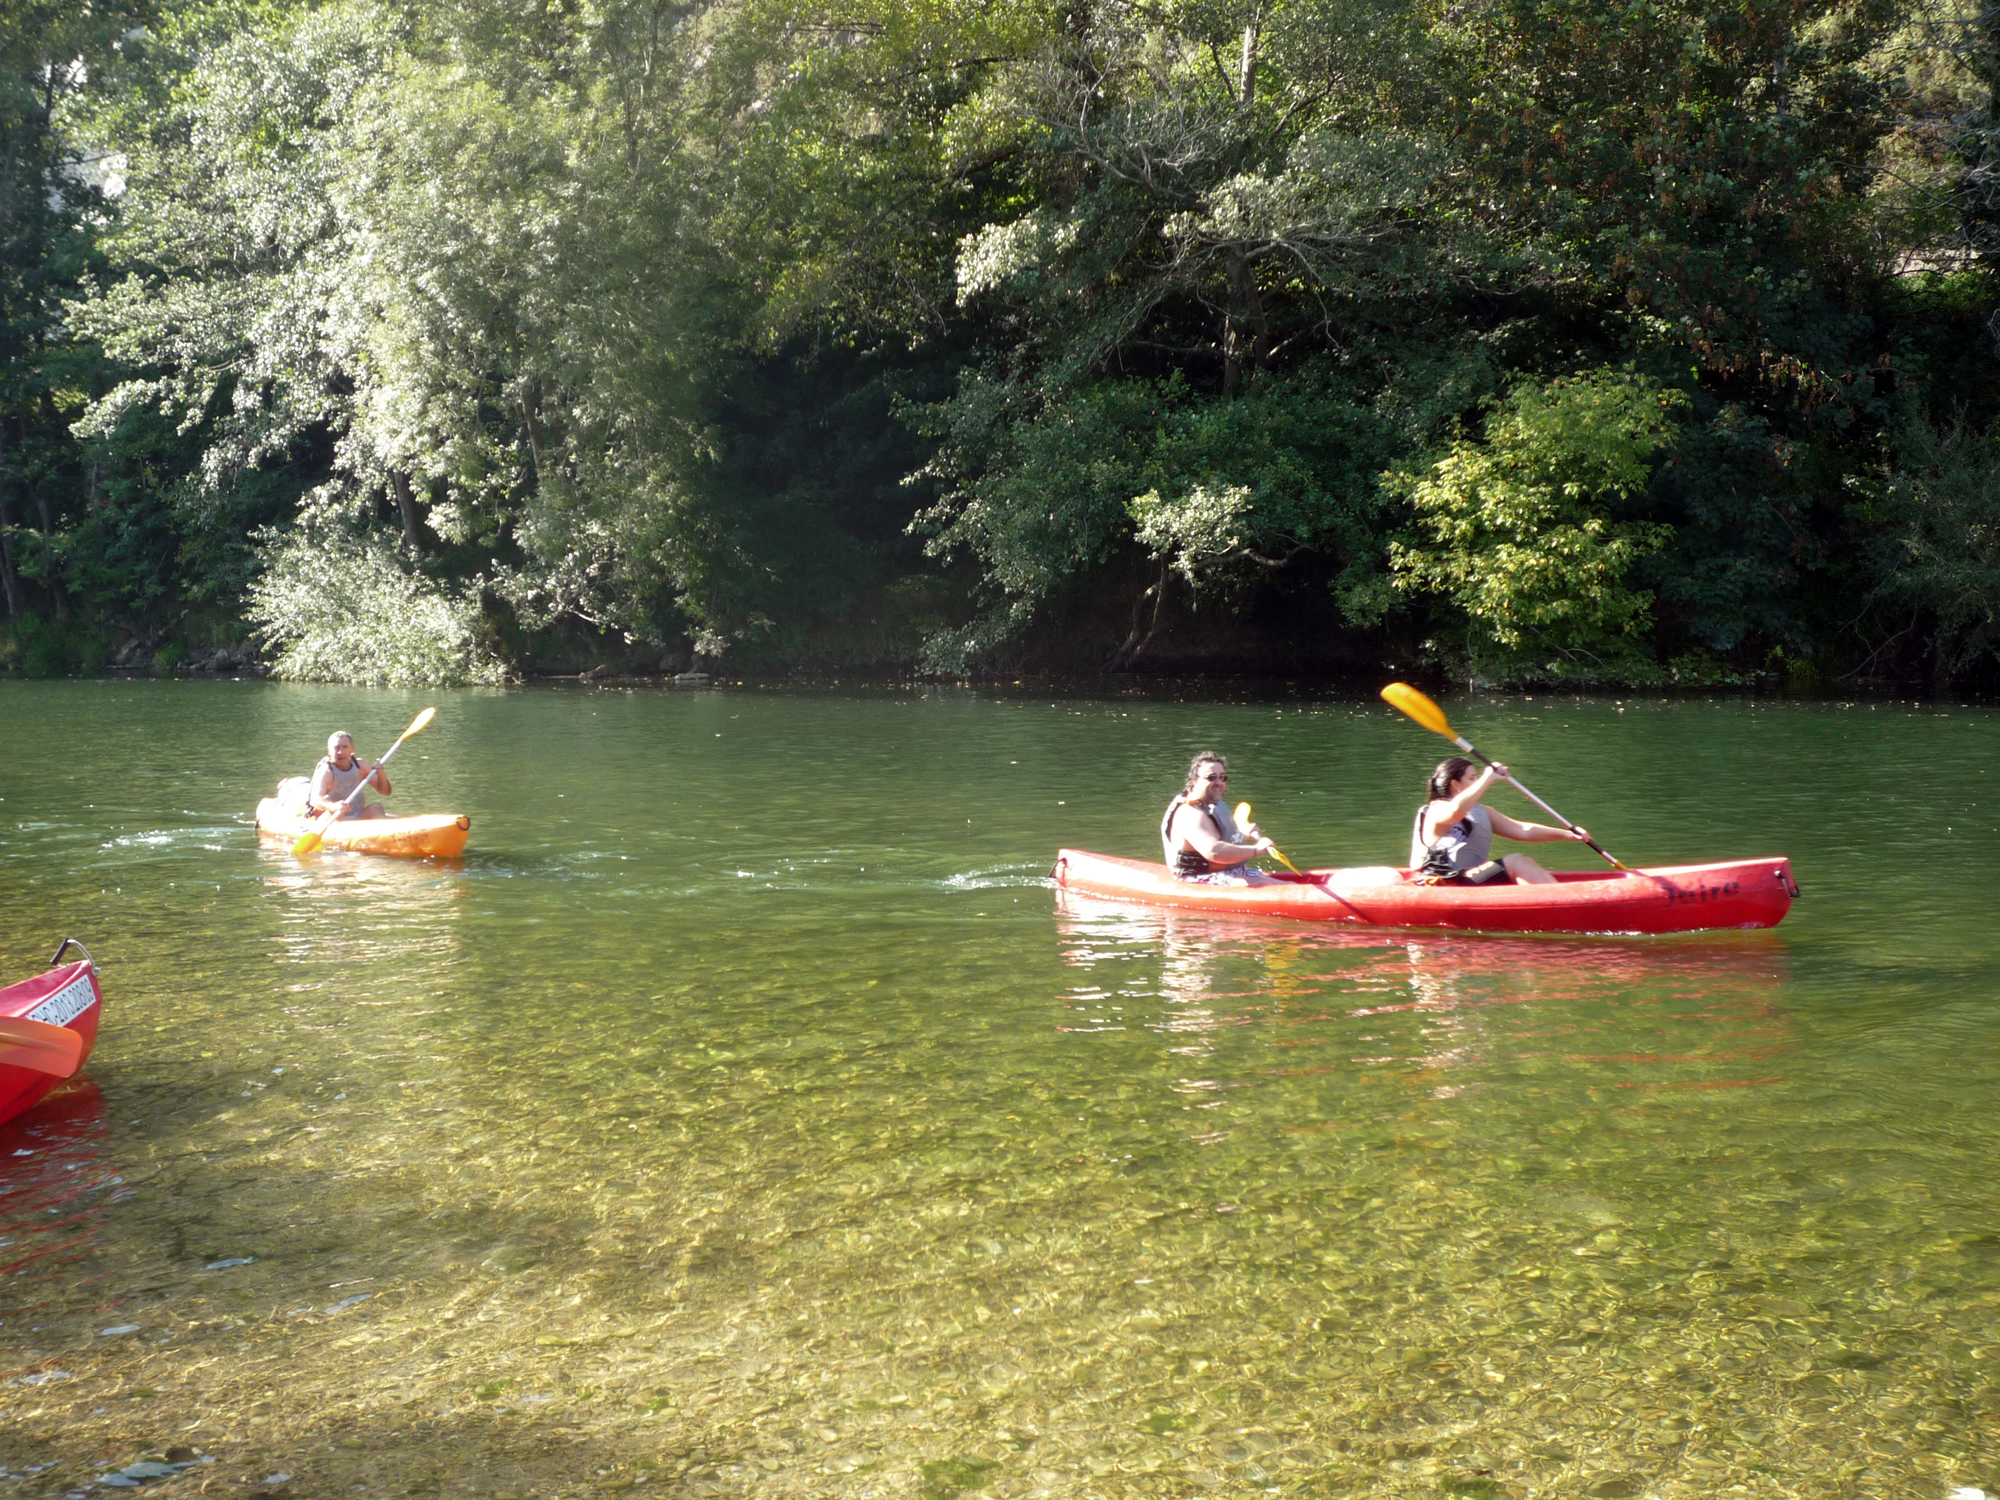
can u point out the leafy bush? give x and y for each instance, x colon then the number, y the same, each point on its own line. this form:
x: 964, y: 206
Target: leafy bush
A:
x: 57, y: 649
x: 334, y: 608
x: 1515, y: 530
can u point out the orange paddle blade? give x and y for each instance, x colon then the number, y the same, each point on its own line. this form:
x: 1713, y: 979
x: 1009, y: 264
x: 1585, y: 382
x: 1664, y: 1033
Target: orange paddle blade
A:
x: 55, y: 1050
x: 1407, y: 700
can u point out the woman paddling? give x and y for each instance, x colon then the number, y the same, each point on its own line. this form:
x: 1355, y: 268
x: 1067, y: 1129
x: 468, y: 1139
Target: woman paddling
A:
x: 1201, y: 839
x: 1452, y: 843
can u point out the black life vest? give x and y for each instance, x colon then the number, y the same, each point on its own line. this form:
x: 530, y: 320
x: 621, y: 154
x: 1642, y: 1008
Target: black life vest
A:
x: 1186, y: 863
x: 1463, y: 846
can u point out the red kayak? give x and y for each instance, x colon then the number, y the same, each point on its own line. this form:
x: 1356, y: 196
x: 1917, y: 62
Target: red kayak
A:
x: 1672, y: 898
x: 48, y: 1025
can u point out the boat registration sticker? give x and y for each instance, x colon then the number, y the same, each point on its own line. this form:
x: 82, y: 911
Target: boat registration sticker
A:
x: 67, y: 1003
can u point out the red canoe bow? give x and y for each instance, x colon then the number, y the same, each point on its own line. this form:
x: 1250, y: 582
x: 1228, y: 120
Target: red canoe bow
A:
x: 66, y: 996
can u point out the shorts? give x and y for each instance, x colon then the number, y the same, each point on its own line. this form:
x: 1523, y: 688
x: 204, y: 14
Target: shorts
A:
x: 1215, y: 877
x: 1493, y: 872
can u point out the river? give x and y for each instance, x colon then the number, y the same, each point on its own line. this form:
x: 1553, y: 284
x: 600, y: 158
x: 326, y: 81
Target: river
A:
x: 744, y: 1114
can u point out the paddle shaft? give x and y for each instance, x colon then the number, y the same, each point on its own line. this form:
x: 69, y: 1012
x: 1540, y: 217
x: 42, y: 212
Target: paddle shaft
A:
x: 1467, y: 746
x: 362, y: 785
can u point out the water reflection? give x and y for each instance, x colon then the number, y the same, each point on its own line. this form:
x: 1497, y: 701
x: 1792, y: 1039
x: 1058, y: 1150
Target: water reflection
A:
x: 347, y: 909
x: 56, y: 1184
x: 1628, y: 1013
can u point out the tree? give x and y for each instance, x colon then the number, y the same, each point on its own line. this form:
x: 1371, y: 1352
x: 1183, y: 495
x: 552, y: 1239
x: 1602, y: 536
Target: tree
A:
x: 624, y: 320
x: 1935, y: 517
x: 51, y: 200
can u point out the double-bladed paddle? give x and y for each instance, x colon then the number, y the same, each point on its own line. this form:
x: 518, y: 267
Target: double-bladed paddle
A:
x: 312, y: 838
x: 1407, y: 700
x: 55, y: 1050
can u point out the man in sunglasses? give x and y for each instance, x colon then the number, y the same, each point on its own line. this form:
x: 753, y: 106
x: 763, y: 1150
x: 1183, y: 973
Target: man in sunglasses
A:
x: 1201, y: 839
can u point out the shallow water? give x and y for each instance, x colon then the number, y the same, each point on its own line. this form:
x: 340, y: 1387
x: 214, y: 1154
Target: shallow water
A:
x: 744, y: 1115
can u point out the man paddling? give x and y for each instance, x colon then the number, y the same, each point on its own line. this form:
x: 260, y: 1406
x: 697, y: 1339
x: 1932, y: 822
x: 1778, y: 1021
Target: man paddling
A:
x: 1201, y: 839
x: 335, y: 779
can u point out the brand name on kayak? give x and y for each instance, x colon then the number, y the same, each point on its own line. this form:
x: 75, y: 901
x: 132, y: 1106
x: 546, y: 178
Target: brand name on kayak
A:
x: 67, y: 1003
x: 1679, y: 895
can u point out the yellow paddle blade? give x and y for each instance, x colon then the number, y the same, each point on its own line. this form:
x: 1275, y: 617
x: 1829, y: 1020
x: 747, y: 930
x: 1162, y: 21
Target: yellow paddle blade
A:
x: 1243, y: 816
x: 419, y: 722
x: 1407, y: 700
x: 311, y: 839
x: 55, y: 1050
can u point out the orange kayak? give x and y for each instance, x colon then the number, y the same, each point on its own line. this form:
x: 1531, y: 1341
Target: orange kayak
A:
x: 436, y: 836
x: 1671, y: 898
x: 66, y: 996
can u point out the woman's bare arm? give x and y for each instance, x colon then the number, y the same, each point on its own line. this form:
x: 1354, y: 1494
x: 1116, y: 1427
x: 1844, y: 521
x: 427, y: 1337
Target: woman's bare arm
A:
x: 1531, y: 833
x: 1441, y: 815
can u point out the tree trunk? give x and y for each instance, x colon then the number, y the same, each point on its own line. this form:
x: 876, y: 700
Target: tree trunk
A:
x: 1246, y: 73
x: 1232, y: 331
x: 1243, y: 340
x: 1244, y: 334
x: 1143, y: 629
x: 56, y: 590
x: 10, y: 583
x: 414, y: 530
x: 531, y: 415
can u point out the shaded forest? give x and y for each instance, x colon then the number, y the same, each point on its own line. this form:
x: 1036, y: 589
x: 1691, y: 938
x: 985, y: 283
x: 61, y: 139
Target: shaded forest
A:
x: 1577, y: 341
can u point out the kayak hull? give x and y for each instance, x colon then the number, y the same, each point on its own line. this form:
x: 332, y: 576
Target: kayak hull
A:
x: 436, y: 836
x: 65, y: 996
x: 1670, y: 898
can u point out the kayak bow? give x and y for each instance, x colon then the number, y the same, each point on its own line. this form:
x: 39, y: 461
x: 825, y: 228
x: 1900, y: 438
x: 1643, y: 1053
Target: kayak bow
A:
x: 32, y: 1062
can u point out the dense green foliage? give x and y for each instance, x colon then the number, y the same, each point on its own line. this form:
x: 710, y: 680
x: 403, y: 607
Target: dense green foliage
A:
x: 1516, y: 531
x: 1584, y: 339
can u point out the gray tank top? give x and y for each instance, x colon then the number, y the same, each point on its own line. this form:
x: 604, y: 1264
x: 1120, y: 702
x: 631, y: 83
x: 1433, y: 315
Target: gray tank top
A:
x: 332, y: 784
x: 1466, y: 845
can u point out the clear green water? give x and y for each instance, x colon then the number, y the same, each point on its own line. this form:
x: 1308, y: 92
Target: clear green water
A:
x: 744, y: 1116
